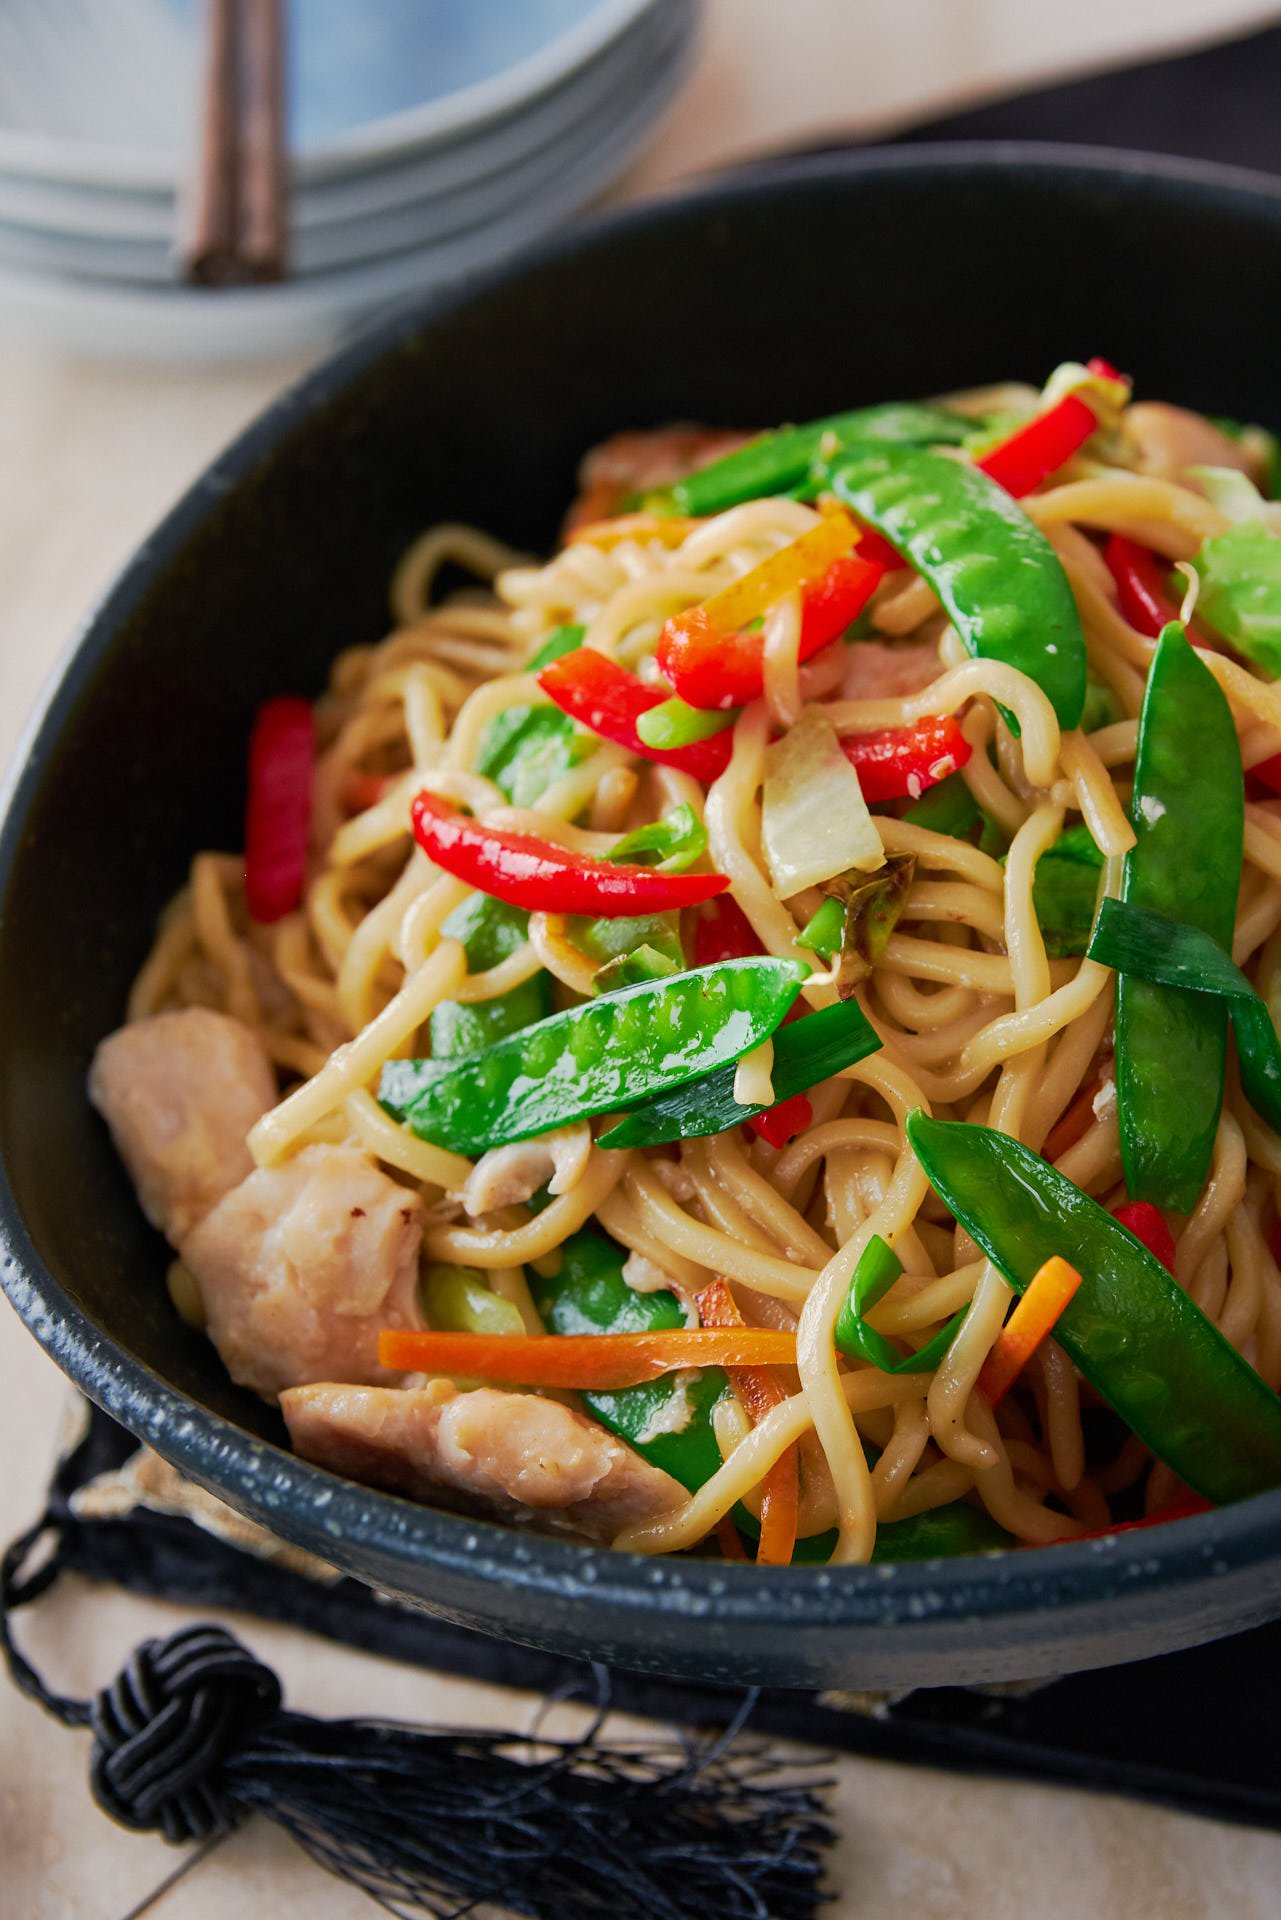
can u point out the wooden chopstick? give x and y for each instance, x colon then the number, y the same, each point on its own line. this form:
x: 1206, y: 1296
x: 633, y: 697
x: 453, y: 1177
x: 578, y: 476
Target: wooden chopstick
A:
x: 239, y: 229
x: 263, y: 191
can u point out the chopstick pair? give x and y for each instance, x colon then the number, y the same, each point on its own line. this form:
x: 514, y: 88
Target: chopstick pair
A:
x: 238, y: 227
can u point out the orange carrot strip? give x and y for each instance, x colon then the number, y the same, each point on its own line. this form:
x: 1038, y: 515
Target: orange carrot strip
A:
x: 1032, y: 1320
x: 1072, y: 1125
x: 760, y: 1392
x: 669, y: 529
x: 599, y: 1362
x: 726, y: 1534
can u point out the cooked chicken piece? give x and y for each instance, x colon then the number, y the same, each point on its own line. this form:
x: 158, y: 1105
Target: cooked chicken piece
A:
x: 301, y: 1264
x: 180, y: 1091
x: 1168, y: 440
x: 878, y: 672
x: 508, y: 1176
x: 510, y: 1455
x: 634, y: 462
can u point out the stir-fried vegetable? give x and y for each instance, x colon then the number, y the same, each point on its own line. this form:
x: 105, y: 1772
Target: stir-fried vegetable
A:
x: 282, y: 752
x: 671, y: 844
x: 997, y: 576
x: 714, y: 665
x: 858, y: 919
x: 526, y: 871
x: 896, y: 762
x: 1149, y: 1225
x: 490, y: 932
x: 1240, y: 575
x: 1077, y: 397
x: 1133, y: 1332
x: 457, y: 1300
x: 669, y: 1419
x: 603, y: 696
x: 1148, y: 946
x: 777, y: 462
x: 760, y: 1391
x: 806, y: 1052
x: 1065, y: 892
x: 877, y: 1270
x: 1186, y: 862
x: 1143, y: 588
x: 606, y: 1055
x: 1032, y: 1321
x: 601, y: 1362
x: 814, y: 820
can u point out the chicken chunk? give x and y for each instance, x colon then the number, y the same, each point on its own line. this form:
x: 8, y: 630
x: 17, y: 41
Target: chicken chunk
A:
x: 1168, y: 440
x: 878, y: 672
x: 180, y: 1091
x: 300, y: 1265
x: 509, y: 1455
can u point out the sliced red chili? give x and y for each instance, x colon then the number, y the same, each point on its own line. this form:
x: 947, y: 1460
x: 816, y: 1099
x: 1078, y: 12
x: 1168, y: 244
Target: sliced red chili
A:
x: 899, y: 761
x: 526, y: 871
x: 282, y: 752
x: 600, y: 694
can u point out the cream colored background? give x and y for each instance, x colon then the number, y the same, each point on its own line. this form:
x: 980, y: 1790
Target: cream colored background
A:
x: 89, y: 457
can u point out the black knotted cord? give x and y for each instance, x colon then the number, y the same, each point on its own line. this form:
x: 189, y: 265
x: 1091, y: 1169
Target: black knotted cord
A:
x: 191, y: 1737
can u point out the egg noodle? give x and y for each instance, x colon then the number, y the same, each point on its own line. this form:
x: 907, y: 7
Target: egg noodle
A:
x: 976, y: 1022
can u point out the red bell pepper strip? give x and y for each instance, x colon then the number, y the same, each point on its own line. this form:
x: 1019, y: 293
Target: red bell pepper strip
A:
x: 595, y: 690
x: 1046, y: 442
x: 724, y: 932
x: 715, y: 671
x: 1267, y: 772
x: 1140, y: 585
x: 907, y: 760
x: 282, y: 753
x: 760, y: 1392
x: 526, y: 871
x: 779, y: 1125
x: 1148, y: 1224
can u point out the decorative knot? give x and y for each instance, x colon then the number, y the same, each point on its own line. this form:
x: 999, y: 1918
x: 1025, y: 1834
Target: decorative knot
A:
x: 164, y: 1725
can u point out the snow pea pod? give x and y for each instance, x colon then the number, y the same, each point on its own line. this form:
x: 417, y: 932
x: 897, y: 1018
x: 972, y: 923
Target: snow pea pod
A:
x: 610, y: 1053
x: 997, y: 576
x: 669, y: 1420
x: 1131, y: 1329
x: 776, y: 462
x: 806, y: 1052
x: 1188, y: 814
x: 1148, y: 946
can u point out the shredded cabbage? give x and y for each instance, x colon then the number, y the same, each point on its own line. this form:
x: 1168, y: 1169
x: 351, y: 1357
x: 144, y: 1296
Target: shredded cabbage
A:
x: 814, y: 820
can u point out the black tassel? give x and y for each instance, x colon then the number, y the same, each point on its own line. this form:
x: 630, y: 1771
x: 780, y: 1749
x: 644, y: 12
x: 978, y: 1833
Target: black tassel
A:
x: 191, y: 1737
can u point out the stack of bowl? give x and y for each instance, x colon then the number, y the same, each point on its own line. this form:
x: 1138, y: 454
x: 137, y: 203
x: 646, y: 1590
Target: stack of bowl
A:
x: 426, y: 139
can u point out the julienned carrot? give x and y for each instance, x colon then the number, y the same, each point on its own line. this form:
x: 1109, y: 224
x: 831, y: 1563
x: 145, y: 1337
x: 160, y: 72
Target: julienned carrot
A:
x: 760, y: 1392
x: 594, y: 1362
x: 1044, y: 1299
x: 1073, y: 1124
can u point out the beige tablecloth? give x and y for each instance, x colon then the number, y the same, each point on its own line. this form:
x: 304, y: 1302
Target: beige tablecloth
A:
x: 89, y: 457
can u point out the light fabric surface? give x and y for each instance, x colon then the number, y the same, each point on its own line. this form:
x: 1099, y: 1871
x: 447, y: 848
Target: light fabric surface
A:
x: 90, y: 456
